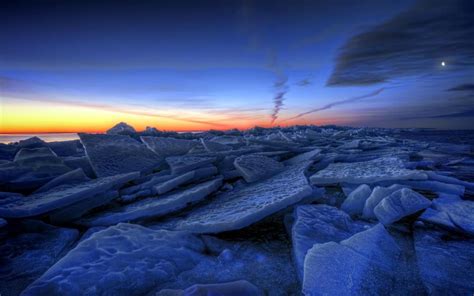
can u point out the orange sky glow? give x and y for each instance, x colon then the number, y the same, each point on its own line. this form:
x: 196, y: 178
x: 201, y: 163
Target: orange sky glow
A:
x: 50, y: 117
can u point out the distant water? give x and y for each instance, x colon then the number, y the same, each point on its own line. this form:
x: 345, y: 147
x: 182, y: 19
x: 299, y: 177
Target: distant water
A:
x: 9, y: 138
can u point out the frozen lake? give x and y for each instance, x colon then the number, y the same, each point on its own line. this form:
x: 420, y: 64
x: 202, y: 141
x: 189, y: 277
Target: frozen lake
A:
x: 50, y: 137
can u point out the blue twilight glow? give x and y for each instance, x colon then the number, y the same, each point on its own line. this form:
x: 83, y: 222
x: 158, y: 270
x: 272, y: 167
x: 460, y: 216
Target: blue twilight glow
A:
x: 191, y: 65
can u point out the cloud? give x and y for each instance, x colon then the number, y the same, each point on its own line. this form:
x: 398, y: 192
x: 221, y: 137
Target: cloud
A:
x: 304, y: 82
x: 465, y: 113
x: 251, y: 28
x: 342, y: 102
x: 281, y: 88
x: 463, y: 87
x: 412, y: 43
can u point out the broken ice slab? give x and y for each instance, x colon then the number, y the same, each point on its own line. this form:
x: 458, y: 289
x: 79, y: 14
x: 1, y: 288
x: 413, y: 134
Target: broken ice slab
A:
x: 37, y: 157
x: 32, y: 168
x: 81, y: 162
x: 449, y: 180
x: 355, y: 201
x: 73, y: 177
x: 256, y: 167
x: 33, y: 142
x: 377, y: 195
x: 319, y: 224
x: 146, y: 182
x: 274, y: 145
x: 164, y: 182
x: 177, y: 181
x: 262, y: 260
x: 366, y: 172
x: 435, y: 186
x: 154, y: 206
x: 116, y: 154
x: 314, y: 155
x: 400, y: 204
x: 28, y: 248
x: 80, y: 208
x: 445, y: 261
x: 432, y: 216
x: 62, y: 196
x: 66, y: 148
x: 125, y: 259
x: 239, y: 208
x: 363, y: 264
x: 214, y: 146
x: 165, y: 147
x: 186, y: 163
x: 236, y: 288
x: 229, y: 140
x: 451, y: 213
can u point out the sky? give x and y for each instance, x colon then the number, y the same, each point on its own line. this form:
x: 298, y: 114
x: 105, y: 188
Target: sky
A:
x: 83, y: 66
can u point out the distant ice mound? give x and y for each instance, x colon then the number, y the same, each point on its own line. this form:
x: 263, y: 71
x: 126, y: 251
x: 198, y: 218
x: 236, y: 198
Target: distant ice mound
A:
x: 121, y: 129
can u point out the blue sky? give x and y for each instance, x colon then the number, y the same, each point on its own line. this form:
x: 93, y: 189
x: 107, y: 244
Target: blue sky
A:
x: 242, y: 63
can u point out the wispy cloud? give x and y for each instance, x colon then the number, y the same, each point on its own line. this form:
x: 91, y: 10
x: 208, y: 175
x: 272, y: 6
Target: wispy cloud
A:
x: 281, y: 88
x: 469, y: 87
x: 251, y: 28
x: 437, y: 115
x: 414, y: 42
x: 342, y: 102
x: 304, y: 82
x: 467, y: 113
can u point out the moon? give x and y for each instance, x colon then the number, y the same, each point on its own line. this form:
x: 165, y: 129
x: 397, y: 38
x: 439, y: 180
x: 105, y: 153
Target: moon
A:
x: 443, y: 63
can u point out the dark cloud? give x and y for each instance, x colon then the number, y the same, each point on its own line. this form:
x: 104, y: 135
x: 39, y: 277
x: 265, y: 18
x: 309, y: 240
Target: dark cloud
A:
x: 412, y: 43
x: 468, y: 113
x: 463, y: 87
x: 465, y: 113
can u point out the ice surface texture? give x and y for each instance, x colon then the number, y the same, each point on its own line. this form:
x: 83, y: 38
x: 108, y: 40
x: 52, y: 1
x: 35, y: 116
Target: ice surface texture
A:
x: 165, y: 147
x: 361, y: 265
x: 30, y: 249
x: 399, y: 204
x: 125, y: 259
x: 61, y: 196
x: 247, y: 228
x: 154, y: 206
x: 367, y: 172
x: 237, y: 288
x: 186, y: 163
x: 116, y: 154
x: 237, y: 209
x: 377, y: 195
x: 355, y: 202
x: 256, y: 167
x: 319, y: 224
x: 452, y: 213
x: 446, y: 264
